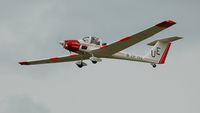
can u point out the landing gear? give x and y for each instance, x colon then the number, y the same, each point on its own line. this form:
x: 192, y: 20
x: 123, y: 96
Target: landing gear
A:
x: 154, y: 65
x: 94, y: 60
x: 80, y: 64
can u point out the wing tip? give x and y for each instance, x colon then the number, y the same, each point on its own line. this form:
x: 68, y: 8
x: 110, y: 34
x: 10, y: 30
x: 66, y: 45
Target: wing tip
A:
x: 166, y: 23
x: 24, y: 63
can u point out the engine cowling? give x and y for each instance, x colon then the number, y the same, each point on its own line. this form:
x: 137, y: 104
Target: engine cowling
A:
x: 72, y: 45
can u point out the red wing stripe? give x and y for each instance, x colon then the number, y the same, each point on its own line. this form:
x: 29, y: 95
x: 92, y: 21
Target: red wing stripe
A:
x: 124, y: 39
x: 166, y: 24
x: 72, y: 55
x: 54, y: 58
x: 164, y: 56
x: 104, y: 46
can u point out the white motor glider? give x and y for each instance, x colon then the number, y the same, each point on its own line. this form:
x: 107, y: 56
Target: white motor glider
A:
x: 93, y: 49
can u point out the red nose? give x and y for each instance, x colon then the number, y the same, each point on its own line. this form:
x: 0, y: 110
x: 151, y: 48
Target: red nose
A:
x: 72, y: 45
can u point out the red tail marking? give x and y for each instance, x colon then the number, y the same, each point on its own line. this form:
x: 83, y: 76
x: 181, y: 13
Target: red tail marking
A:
x: 166, y: 24
x: 164, y: 56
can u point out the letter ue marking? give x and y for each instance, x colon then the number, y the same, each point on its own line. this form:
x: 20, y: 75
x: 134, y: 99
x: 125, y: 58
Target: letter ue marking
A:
x: 157, y: 52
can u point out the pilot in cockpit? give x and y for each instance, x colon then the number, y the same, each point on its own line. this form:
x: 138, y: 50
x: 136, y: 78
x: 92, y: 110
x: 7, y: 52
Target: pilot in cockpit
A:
x: 95, y: 40
x: 92, y: 40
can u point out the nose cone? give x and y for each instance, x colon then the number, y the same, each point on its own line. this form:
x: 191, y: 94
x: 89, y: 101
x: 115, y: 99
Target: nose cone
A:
x: 71, y: 45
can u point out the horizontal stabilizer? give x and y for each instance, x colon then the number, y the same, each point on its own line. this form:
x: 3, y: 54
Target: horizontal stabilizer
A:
x: 165, y: 40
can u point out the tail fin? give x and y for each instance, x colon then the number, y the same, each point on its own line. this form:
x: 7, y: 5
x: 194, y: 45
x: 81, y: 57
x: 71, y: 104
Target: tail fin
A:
x: 160, y: 49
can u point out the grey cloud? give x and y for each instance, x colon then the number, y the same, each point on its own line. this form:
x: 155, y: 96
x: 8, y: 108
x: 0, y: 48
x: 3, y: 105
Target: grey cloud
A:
x: 32, y: 30
x: 21, y: 104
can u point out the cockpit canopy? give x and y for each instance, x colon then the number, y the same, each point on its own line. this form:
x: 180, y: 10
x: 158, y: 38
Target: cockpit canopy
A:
x: 92, y: 40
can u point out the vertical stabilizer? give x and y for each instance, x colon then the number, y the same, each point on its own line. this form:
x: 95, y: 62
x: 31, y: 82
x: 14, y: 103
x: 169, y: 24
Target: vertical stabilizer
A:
x: 160, y: 49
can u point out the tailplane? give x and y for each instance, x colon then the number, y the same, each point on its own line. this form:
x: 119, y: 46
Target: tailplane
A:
x: 159, y: 51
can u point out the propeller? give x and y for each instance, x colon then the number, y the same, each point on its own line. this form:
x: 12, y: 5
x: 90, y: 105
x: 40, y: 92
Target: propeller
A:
x: 63, y: 44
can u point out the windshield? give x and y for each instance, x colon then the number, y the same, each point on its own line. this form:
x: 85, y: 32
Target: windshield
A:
x: 95, y: 40
x: 86, y: 39
x: 92, y: 40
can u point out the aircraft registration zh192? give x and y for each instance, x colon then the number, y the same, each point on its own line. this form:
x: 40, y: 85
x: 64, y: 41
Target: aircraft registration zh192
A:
x: 92, y: 48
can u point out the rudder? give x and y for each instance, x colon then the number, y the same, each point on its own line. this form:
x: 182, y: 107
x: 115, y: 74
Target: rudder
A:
x: 160, y: 49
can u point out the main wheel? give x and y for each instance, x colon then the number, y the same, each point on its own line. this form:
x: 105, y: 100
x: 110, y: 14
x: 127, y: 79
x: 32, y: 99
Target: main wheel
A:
x: 80, y: 66
x: 154, y: 65
x: 94, y: 62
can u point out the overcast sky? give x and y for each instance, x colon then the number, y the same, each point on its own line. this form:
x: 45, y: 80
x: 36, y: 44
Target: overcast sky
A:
x: 31, y: 29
